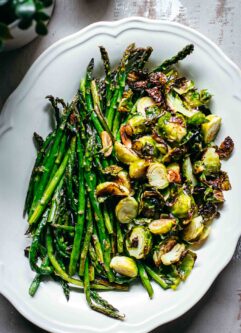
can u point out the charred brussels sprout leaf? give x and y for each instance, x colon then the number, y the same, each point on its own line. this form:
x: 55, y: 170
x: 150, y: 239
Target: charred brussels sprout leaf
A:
x: 107, y: 189
x: 226, y: 148
x: 186, y: 265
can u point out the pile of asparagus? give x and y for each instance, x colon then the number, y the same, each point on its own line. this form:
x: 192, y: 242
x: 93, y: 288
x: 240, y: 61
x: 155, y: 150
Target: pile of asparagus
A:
x: 83, y: 205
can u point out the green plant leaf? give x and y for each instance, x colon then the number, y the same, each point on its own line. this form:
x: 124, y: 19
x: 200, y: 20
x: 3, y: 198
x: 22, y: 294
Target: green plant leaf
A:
x: 3, y: 2
x: 47, y: 3
x: 25, y: 9
x: 4, y: 32
x: 25, y: 24
x: 41, y: 28
x: 41, y: 16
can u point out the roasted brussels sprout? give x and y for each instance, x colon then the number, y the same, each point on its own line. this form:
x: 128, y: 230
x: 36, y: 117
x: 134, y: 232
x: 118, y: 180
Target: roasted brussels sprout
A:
x: 139, y: 242
x: 186, y: 265
x: 174, y: 255
x: 182, y: 85
x: 124, y: 265
x: 157, y: 175
x: 211, y: 161
x: 173, y: 173
x: 106, y: 189
x: 138, y: 169
x: 124, y: 154
x: 194, y: 229
x: 150, y: 204
x: 172, y: 127
x: 162, y: 248
x: 126, y: 210
x: 211, y: 127
x: 144, y: 103
x: 146, y: 146
x: 137, y: 124
x: 194, y: 99
x: 183, y: 205
x: 188, y: 171
x: 161, y: 226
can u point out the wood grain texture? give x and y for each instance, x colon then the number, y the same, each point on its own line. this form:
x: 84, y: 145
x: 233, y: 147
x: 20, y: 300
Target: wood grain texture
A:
x: 220, y: 309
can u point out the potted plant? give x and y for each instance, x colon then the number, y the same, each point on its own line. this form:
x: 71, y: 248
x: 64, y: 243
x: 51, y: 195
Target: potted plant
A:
x: 22, y: 20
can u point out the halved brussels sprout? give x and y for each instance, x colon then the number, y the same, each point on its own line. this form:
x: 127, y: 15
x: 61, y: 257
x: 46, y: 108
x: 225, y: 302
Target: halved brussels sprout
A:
x: 122, y: 178
x: 137, y: 124
x: 107, y: 144
x: 211, y: 128
x: 202, y: 238
x: 124, y: 154
x: 194, y: 99
x: 194, y: 229
x: 124, y: 265
x: 162, y: 248
x: 173, y: 173
x: 138, y: 169
x: 211, y: 161
x: 182, y: 85
x: 161, y: 226
x: 111, y: 189
x: 126, y: 210
x: 139, y: 242
x: 172, y: 127
x: 157, y: 175
x: 186, y: 265
x: 188, y: 171
x: 174, y: 255
x: 153, y: 112
x: 183, y: 205
x: 150, y: 204
x: 146, y: 145
x: 144, y: 103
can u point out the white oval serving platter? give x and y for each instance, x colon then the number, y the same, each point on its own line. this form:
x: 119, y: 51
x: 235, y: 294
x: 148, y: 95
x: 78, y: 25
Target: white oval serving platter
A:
x: 58, y: 71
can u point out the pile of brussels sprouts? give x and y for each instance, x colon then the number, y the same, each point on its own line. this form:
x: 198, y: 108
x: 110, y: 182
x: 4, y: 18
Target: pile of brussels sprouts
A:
x: 127, y: 185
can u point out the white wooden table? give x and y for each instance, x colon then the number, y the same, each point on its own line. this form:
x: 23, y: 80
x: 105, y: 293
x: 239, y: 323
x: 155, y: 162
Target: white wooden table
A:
x: 220, y: 309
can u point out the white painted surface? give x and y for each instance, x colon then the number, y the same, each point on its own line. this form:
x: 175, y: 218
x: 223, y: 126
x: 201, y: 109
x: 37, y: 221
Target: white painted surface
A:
x: 218, y: 311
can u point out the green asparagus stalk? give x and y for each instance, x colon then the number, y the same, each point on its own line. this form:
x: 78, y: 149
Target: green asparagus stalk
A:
x: 156, y: 277
x: 179, y: 56
x: 144, y: 279
x: 42, y: 203
x: 81, y: 212
x: 35, y: 175
x: 105, y: 310
x: 85, y: 248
